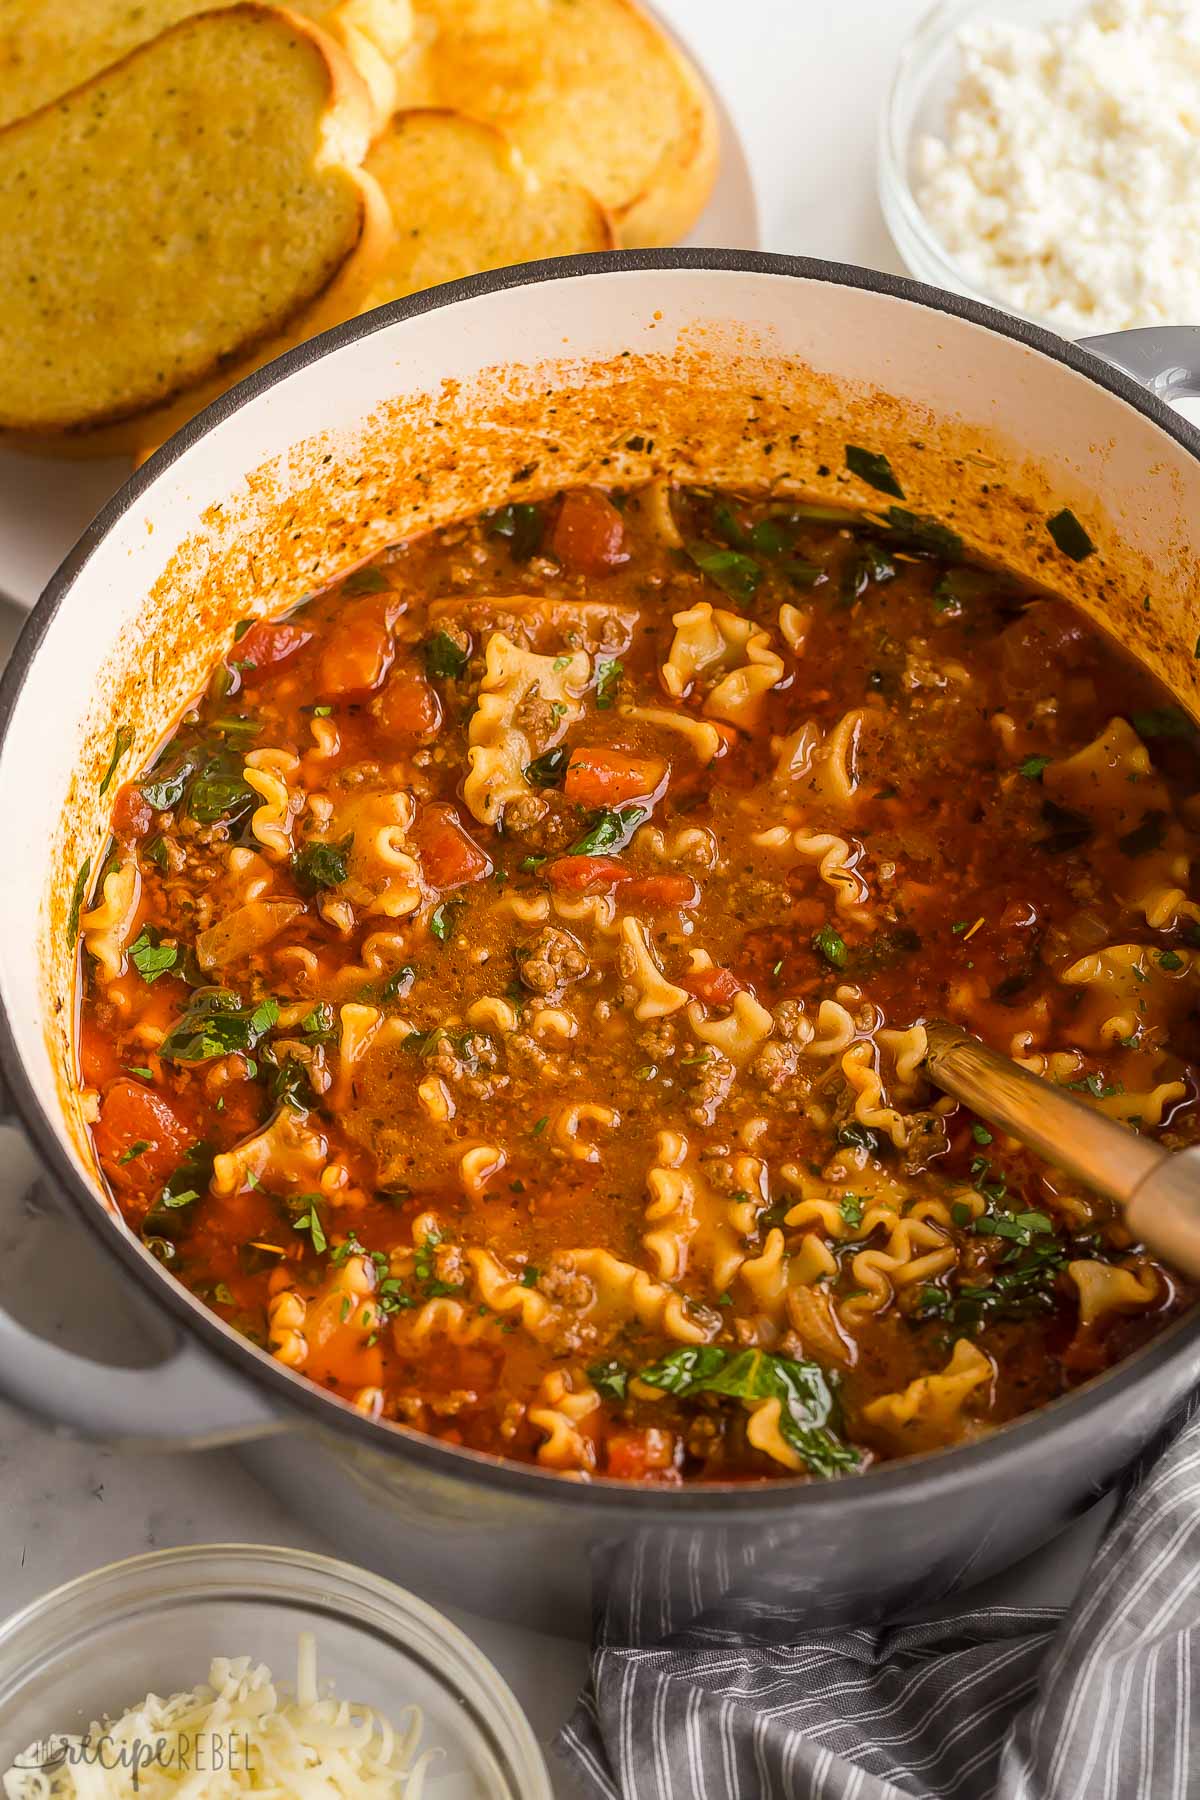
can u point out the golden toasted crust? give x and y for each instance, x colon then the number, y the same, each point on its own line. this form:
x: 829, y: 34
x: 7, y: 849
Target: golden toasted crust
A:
x: 464, y: 200
x: 170, y: 216
x: 588, y: 90
x: 48, y: 47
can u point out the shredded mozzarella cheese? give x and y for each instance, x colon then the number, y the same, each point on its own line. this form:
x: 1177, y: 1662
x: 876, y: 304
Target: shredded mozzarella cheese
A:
x: 1065, y: 183
x: 237, y: 1734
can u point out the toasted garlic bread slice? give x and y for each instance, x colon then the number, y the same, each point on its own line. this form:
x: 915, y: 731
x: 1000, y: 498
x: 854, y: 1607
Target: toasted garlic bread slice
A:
x: 48, y: 47
x: 590, y: 91
x: 174, y: 212
x: 464, y: 201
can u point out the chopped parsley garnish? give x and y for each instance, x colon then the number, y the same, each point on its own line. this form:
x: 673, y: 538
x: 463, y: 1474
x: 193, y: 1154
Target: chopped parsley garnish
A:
x: 548, y: 770
x: 150, y: 958
x: 307, y: 1218
x: 1069, y: 535
x: 851, y: 1207
x: 120, y: 746
x: 444, y: 917
x: 1096, y: 1085
x: 874, y: 469
x: 609, y: 675
x: 1033, y: 766
x: 77, y: 894
x: 522, y: 524
x: 444, y: 660
x: 608, y: 831
x: 981, y: 1134
x: 1170, y: 959
x: 735, y: 574
x: 140, y: 1070
x: 134, y: 1150
x: 320, y: 866
x: 529, y: 1275
x: 320, y: 1023
x: 807, y: 1410
x: 832, y: 946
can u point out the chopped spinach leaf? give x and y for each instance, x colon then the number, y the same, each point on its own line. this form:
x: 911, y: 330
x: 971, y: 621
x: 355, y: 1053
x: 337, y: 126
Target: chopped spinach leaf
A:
x: 368, y: 580
x: 133, y: 1151
x: 874, y: 469
x: 444, y: 660
x: 217, y: 792
x: 523, y: 525
x: 608, y: 831
x: 925, y: 536
x: 1163, y: 722
x: 548, y: 770
x: 215, y: 1023
x: 806, y: 1404
x: 320, y: 866
x: 1033, y: 766
x: 120, y: 746
x: 1069, y: 535
x: 735, y: 574
x: 77, y: 895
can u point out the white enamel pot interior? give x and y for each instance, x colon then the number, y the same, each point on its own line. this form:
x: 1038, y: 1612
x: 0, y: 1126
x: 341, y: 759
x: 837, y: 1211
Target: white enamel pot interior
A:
x: 718, y: 366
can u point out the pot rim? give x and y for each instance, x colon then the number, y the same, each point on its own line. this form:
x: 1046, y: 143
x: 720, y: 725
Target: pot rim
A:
x: 878, y: 1488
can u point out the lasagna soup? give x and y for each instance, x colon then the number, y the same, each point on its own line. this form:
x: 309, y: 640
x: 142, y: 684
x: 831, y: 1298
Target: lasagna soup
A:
x: 503, y: 997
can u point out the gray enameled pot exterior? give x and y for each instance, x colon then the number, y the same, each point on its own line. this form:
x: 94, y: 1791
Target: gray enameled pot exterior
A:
x: 514, y: 1541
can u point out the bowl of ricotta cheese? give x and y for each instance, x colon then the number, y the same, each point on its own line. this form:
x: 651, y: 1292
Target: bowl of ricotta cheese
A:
x: 1045, y: 157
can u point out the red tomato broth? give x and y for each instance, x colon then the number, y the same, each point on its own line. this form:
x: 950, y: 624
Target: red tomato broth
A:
x: 976, y: 896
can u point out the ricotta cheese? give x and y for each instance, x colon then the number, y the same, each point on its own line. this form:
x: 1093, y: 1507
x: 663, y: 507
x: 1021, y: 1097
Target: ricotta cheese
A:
x: 1067, y: 182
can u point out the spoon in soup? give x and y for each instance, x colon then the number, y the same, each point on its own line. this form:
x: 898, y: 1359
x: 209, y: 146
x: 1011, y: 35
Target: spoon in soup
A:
x: 1158, y: 1190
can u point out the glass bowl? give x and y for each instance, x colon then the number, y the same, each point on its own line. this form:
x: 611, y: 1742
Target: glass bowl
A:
x: 915, y: 107
x: 152, y: 1624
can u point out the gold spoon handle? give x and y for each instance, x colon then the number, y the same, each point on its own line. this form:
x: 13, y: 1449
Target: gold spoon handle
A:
x: 1159, y: 1191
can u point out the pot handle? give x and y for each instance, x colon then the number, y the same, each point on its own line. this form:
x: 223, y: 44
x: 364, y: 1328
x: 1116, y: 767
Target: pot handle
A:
x: 188, y: 1401
x: 1164, y: 358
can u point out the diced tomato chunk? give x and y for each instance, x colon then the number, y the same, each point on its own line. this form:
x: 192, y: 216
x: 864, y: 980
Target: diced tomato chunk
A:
x: 601, y: 777
x: 409, y: 706
x: 359, y: 650
x: 132, y: 814
x: 133, y: 1115
x: 265, y: 646
x: 450, y: 857
x: 98, y: 1059
x: 632, y: 1455
x: 589, y: 533
x: 716, y: 987
x: 587, y: 874
x: 665, y: 890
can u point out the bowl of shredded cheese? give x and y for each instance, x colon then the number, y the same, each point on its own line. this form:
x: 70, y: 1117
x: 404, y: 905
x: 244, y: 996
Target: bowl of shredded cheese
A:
x: 210, y: 1672
x: 1041, y: 155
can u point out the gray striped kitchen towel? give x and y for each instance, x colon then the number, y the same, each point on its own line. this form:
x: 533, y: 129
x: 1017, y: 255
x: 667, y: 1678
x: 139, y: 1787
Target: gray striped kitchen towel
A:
x: 993, y: 1703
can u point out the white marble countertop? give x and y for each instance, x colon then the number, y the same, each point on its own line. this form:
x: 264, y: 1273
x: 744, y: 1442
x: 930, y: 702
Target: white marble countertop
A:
x: 804, y: 84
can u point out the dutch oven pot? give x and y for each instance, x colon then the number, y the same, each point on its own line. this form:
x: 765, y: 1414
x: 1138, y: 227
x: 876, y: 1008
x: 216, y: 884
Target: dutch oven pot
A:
x: 720, y: 367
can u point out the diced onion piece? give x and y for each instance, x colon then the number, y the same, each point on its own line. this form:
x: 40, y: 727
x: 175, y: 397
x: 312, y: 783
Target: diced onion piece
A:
x: 243, y: 931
